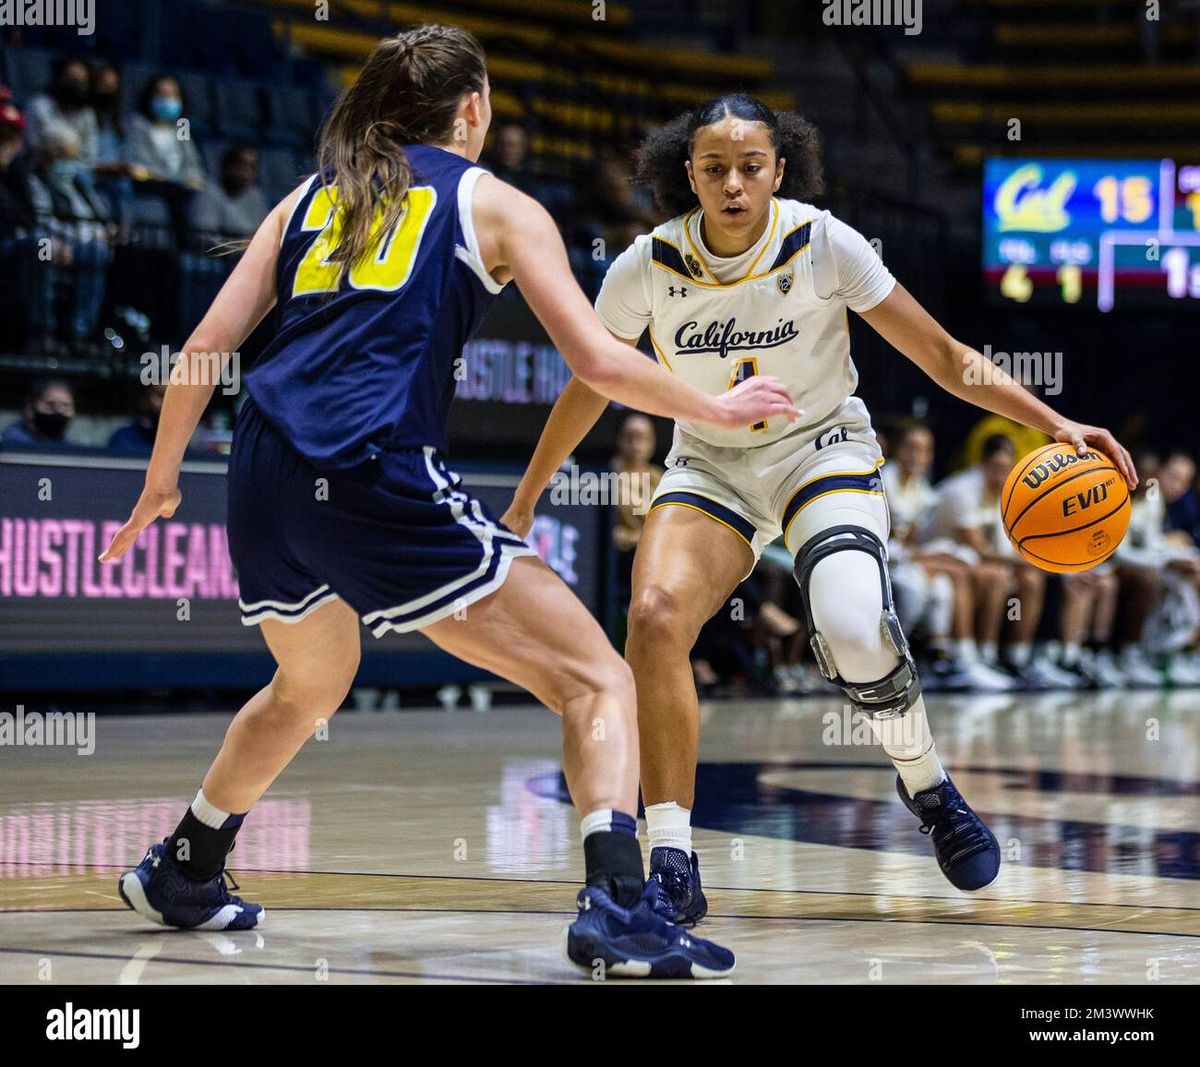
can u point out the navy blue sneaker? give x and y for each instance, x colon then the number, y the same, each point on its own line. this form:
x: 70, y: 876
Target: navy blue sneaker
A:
x: 158, y: 890
x: 638, y: 943
x: 680, y: 898
x: 966, y: 849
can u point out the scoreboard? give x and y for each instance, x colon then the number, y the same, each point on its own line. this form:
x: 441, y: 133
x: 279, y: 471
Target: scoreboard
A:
x: 1100, y: 234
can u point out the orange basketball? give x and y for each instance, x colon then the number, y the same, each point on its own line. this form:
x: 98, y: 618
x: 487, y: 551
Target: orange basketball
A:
x: 1063, y: 511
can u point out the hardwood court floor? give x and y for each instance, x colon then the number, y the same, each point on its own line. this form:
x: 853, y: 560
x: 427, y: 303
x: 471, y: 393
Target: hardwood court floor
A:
x: 435, y: 847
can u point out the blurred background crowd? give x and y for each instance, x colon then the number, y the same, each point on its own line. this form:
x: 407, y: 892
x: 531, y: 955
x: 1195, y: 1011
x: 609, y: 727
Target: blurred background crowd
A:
x: 132, y: 159
x: 980, y: 618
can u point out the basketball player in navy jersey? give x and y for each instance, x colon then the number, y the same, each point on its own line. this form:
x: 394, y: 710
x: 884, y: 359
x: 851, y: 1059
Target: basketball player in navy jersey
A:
x: 343, y: 512
x: 751, y: 278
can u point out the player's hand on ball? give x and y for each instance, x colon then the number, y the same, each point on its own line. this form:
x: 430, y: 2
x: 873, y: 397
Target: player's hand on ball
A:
x: 518, y: 518
x: 1081, y: 436
x: 152, y: 504
x: 755, y: 400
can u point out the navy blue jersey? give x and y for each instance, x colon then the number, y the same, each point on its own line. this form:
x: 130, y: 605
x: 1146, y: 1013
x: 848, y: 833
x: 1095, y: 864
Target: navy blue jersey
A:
x: 364, y: 359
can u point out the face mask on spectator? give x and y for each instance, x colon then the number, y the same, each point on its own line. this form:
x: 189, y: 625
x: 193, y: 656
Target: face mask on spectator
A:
x: 166, y: 108
x: 71, y: 94
x: 52, y: 424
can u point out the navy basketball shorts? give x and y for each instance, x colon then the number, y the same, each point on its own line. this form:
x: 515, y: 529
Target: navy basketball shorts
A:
x: 396, y: 537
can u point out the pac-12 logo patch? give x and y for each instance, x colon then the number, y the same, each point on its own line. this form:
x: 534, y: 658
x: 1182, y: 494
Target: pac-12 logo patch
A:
x: 693, y: 264
x: 784, y: 281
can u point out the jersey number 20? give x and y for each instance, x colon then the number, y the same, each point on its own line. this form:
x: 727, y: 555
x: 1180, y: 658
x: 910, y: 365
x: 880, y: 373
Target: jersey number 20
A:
x: 387, y: 270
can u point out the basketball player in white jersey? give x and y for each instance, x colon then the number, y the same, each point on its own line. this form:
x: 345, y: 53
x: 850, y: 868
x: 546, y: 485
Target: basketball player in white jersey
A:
x: 749, y: 278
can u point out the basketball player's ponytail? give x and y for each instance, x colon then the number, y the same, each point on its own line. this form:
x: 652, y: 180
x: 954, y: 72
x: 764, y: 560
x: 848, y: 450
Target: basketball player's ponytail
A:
x: 661, y: 156
x: 407, y: 93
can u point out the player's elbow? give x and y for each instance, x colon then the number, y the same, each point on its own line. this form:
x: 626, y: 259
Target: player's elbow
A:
x: 598, y: 374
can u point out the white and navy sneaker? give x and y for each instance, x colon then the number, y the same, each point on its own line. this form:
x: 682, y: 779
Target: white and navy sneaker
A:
x: 638, y: 943
x: 158, y: 890
x: 681, y: 898
x: 966, y: 850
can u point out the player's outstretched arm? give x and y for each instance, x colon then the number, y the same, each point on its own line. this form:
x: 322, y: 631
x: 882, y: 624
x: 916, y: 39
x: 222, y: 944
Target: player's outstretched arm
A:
x: 247, y: 295
x: 960, y: 370
x: 519, y: 240
x: 573, y: 415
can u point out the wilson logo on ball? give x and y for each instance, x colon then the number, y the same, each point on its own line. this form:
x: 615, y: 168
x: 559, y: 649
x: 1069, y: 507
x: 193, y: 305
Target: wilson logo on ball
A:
x: 1054, y: 464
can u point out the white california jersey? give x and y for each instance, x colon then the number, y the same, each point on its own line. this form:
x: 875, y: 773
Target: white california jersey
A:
x: 778, y: 309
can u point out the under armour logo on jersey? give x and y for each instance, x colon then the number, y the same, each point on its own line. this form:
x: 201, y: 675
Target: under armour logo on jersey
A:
x: 673, y: 291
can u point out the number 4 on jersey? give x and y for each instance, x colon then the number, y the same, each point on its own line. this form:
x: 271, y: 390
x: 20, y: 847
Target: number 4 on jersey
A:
x: 743, y: 369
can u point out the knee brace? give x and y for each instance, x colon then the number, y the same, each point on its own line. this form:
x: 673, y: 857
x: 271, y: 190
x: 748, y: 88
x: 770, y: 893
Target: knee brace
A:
x: 897, y: 691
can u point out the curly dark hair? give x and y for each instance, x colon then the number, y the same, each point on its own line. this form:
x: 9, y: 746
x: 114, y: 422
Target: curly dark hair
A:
x: 661, y: 156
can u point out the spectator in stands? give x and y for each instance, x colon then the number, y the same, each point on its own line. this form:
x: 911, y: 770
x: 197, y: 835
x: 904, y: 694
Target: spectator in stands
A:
x: 19, y: 269
x: 951, y: 588
x: 49, y: 409
x: 628, y: 207
x: 137, y: 437
x: 727, y: 647
x: 1178, y: 484
x: 112, y: 169
x: 235, y: 204
x: 634, y: 462
x: 105, y: 88
x: 967, y: 514
x: 67, y: 102
x: 509, y: 158
x: 74, y: 215
x: 161, y: 150
x: 1158, y: 576
x: 1086, y: 618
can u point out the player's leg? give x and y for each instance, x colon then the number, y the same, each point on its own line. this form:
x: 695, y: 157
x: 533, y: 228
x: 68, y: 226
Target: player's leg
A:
x: 838, y: 541
x: 1030, y: 593
x: 535, y: 633
x: 180, y: 882
x: 1141, y: 587
x: 1080, y: 593
x: 993, y: 582
x: 687, y: 566
x: 314, y: 637
x: 1096, y: 658
x: 317, y: 660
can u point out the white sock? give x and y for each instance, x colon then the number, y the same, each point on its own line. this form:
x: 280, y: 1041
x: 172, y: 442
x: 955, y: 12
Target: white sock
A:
x: 1071, y: 651
x: 606, y: 820
x: 1020, y: 652
x: 965, y: 650
x: 669, y: 826
x: 907, y: 740
x: 208, y: 813
x: 990, y: 652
